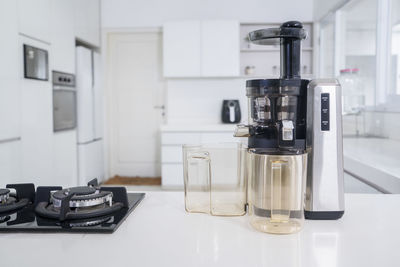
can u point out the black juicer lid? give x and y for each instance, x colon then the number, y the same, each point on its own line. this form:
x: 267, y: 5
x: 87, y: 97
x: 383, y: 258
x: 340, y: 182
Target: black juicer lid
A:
x: 290, y: 29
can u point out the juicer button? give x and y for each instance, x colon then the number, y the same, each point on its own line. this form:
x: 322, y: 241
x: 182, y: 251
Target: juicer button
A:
x: 325, y: 112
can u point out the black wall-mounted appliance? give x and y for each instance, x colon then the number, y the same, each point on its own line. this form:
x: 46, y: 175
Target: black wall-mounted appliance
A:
x: 231, y: 111
x: 36, y: 63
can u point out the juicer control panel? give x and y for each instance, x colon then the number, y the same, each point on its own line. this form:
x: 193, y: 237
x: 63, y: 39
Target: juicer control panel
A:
x: 324, y: 112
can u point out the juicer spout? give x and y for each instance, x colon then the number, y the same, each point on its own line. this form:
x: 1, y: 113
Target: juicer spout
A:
x: 242, y: 131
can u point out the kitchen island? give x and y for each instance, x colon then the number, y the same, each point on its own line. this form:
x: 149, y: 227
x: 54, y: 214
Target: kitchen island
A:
x: 160, y: 233
x: 375, y: 161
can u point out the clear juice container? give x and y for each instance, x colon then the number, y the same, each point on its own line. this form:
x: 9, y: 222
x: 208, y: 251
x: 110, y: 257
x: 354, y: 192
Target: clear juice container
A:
x: 276, y: 191
x: 215, y: 178
x: 196, y: 170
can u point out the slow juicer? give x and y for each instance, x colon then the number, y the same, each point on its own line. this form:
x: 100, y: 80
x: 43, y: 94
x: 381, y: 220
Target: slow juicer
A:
x: 295, y: 159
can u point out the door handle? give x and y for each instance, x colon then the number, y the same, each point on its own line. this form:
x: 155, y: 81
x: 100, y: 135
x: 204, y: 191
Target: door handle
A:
x: 159, y: 107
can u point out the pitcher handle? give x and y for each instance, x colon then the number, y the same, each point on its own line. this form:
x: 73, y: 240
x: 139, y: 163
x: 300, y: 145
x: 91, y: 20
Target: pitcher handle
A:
x: 278, y: 211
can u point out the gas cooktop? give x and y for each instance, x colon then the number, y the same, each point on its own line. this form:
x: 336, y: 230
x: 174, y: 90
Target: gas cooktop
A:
x: 54, y: 209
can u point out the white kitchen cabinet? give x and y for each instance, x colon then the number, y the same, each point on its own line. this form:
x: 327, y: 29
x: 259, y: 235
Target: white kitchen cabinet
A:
x: 9, y: 108
x: 9, y: 71
x: 178, y: 138
x: 63, y: 35
x: 182, y: 49
x: 90, y: 162
x: 172, y: 174
x: 87, y: 21
x: 97, y: 96
x: 218, y: 137
x: 36, y: 123
x: 201, y: 48
x: 171, y: 154
x: 220, y: 48
x: 9, y: 39
x: 10, y: 154
x: 34, y: 19
x: 84, y: 82
x: 65, y: 161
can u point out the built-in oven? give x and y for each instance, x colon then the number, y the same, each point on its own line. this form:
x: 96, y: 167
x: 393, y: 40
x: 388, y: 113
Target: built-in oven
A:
x: 64, y: 101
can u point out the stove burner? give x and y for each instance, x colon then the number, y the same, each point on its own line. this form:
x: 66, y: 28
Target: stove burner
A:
x: 4, y: 218
x: 77, y: 203
x: 83, y: 196
x: 86, y: 223
x: 24, y: 194
x: 4, y: 194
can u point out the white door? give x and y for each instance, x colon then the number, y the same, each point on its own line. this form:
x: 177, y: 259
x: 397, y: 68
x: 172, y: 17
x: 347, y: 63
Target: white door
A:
x: 134, y: 94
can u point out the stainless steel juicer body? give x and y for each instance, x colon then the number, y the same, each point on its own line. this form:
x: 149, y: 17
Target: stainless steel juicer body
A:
x: 324, y: 187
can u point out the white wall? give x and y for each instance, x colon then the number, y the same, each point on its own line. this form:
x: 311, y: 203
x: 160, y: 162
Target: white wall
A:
x: 322, y: 7
x: 200, y: 100
x: 152, y: 13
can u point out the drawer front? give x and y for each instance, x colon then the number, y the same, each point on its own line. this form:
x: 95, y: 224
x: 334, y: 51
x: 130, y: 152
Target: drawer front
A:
x: 180, y: 138
x: 171, y: 154
x: 172, y: 174
x: 207, y: 138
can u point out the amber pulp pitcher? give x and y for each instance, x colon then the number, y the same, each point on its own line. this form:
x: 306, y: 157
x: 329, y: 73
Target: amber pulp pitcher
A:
x: 276, y: 191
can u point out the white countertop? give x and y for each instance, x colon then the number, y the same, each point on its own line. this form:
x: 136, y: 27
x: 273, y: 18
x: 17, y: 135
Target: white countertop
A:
x: 198, y: 128
x: 160, y: 233
x: 376, y: 160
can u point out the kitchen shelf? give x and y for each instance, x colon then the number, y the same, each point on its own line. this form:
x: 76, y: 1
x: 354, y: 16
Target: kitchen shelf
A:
x: 261, y: 50
x: 267, y: 76
x: 277, y: 49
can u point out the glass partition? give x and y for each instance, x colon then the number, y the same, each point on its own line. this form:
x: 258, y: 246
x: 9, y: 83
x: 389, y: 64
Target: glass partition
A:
x: 357, y: 63
x: 364, y: 38
x: 395, y: 48
x: 327, y: 37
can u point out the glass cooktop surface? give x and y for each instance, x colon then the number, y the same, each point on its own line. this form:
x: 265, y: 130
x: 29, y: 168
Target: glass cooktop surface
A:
x: 26, y: 220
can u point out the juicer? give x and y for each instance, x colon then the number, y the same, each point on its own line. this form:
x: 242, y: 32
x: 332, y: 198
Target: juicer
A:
x: 294, y: 141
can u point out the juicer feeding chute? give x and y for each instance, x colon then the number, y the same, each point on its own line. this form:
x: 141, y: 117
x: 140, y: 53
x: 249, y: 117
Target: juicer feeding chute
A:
x: 290, y: 35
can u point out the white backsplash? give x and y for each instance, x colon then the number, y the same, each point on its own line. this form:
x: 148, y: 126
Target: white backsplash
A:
x: 199, y: 100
